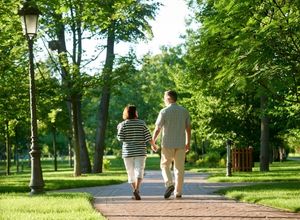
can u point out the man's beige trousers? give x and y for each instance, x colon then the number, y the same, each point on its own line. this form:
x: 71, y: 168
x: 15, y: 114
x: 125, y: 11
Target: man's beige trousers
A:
x: 168, y: 155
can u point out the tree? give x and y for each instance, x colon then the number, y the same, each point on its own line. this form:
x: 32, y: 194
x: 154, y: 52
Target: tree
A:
x: 13, y: 91
x: 119, y: 21
x: 66, y: 20
x: 245, y: 46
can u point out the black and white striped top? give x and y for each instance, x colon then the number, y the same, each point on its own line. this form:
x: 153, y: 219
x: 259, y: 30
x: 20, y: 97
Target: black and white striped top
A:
x: 134, y: 135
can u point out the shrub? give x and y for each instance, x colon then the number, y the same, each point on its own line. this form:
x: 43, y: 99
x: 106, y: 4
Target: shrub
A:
x: 222, y: 163
x: 106, y: 164
x: 211, y: 159
x: 192, y: 157
x: 200, y: 163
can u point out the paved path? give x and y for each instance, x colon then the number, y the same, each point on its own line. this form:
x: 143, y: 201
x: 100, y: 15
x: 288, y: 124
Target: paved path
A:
x: 198, y: 202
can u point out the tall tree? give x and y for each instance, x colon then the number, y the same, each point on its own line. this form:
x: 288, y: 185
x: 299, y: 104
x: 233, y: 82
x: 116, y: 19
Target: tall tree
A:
x: 247, y: 46
x: 13, y: 65
x: 64, y: 20
x: 121, y: 20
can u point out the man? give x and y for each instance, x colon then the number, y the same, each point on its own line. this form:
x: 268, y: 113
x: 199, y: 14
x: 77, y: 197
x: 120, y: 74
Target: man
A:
x: 174, y: 123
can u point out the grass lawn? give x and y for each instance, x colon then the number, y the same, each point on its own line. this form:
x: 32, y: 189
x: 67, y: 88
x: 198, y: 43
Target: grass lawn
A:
x: 16, y: 203
x: 281, y: 195
x: 278, y: 188
x: 50, y: 206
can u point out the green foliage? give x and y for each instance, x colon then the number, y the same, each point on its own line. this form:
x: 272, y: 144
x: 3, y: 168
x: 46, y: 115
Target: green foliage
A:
x: 241, y: 50
x: 14, y: 99
x: 192, y: 157
x: 291, y: 139
x: 211, y: 159
x: 129, y: 18
x: 106, y: 164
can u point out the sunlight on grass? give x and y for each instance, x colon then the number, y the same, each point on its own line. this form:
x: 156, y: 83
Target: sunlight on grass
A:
x: 279, y: 171
x: 48, y: 206
x: 278, y: 188
x: 15, y: 202
x: 283, y: 195
x: 61, y: 180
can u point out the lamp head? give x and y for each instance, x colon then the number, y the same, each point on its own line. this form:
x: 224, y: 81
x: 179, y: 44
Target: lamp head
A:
x: 29, y: 14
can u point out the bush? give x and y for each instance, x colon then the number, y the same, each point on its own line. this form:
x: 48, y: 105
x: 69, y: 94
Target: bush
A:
x: 211, y: 159
x: 106, y: 164
x: 222, y: 163
x: 192, y: 157
x: 200, y: 163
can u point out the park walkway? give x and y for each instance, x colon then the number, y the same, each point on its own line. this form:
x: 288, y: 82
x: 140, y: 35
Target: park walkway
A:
x: 198, y: 202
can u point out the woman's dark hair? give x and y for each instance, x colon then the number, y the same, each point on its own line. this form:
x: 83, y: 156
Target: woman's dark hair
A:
x: 129, y: 112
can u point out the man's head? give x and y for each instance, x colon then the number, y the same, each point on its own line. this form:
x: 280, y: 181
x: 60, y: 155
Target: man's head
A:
x: 170, y: 97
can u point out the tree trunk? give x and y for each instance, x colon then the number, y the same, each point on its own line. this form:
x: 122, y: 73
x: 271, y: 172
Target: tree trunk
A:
x: 264, y: 138
x: 70, y: 151
x: 74, y: 108
x: 77, y: 166
x: 100, y: 136
x: 54, y: 146
x: 72, y: 100
x: 8, y: 149
x: 84, y: 155
x: 104, y: 103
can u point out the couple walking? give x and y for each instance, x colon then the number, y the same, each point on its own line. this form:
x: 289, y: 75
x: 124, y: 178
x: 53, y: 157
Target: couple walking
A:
x: 174, y: 123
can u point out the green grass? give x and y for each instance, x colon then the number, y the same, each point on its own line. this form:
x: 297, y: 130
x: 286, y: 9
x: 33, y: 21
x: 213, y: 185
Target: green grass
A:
x: 62, y: 179
x: 278, y: 188
x: 50, y: 206
x: 16, y: 203
x: 282, y: 195
x: 279, y: 171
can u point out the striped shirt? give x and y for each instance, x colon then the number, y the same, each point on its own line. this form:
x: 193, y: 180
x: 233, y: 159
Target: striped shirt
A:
x: 134, y: 135
x: 173, y: 120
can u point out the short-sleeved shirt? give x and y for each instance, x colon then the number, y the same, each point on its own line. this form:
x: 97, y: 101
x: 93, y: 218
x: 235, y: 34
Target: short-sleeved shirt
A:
x: 173, y: 120
x: 134, y: 135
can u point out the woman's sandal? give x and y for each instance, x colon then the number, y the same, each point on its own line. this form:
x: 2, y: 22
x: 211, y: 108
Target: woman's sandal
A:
x: 136, y: 195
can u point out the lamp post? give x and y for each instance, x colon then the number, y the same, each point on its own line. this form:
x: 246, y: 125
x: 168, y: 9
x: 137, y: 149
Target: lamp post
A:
x: 29, y: 14
x: 228, y: 164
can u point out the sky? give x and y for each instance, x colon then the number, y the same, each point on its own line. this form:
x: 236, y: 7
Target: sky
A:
x: 167, y: 28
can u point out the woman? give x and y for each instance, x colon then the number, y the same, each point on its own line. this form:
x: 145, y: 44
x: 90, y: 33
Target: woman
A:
x: 134, y: 135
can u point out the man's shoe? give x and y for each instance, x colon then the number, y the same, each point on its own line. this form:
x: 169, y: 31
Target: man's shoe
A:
x: 136, y: 195
x: 178, y: 196
x: 169, y: 191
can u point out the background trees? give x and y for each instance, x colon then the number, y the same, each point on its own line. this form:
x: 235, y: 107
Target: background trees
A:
x: 237, y: 73
x: 243, y: 54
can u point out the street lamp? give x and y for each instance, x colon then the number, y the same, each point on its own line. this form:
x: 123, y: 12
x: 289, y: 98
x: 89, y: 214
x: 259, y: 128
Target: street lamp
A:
x: 29, y: 14
x: 228, y: 164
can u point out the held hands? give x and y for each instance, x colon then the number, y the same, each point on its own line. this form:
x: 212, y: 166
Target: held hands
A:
x: 154, y: 147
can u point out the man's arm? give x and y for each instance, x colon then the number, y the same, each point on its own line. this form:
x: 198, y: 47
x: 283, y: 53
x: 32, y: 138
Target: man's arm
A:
x: 156, y: 133
x: 188, y: 138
